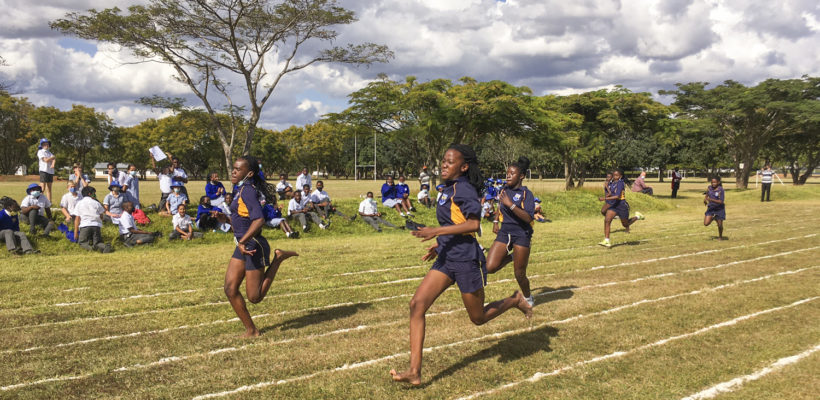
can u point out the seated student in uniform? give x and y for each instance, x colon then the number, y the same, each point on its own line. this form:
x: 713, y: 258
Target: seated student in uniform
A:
x: 298, y: 208
x: 36, y: 210
x: 403, y: 194
x: 113, y: 202
x: 210, y: 217
x: 225, y: 207
x: 88, y: 213
x: 488, y: 208
x: 538, y: 215
x: 130, y: 235
x: 215, y: 190
x: 439, y: 189
x: 390, y: 197
x: 424, y: 196
x: 68, y: 201
x: 274, y: 219
x: 323, y: 205
x: 282, y: 185
x: 175, y: 199
x: 369, y: 212
x: 16, y: 241
x: 183, y: 226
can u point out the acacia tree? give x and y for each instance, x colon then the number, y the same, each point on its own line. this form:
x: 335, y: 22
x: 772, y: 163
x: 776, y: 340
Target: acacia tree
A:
x: 14, y: 132
x: 212, y: 43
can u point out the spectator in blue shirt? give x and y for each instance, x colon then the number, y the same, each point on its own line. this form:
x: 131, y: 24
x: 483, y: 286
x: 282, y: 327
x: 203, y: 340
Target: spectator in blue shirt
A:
x: 215, y: 190
x: 10, y: 228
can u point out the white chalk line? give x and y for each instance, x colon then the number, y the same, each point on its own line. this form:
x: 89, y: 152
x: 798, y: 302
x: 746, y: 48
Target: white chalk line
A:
x: 365, y: 327
x: 618, y: 354
x: 736, y: 383
x: 88, y: 319
x: 217, y: 322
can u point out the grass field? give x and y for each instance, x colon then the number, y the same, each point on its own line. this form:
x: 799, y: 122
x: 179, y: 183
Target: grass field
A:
x: 666, y: 313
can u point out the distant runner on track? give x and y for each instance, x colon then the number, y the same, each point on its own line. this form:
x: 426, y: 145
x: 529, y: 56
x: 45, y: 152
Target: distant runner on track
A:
x: 715, y: 206
x: 618, y: 207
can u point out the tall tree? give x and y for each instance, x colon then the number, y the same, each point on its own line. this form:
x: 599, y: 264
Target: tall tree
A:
x: 75, y: 134
x: 212, y: 44
x: 14, y: 132
x: 797, y: 143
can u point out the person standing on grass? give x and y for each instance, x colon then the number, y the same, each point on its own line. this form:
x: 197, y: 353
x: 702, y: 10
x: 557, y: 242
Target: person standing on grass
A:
x: 516, y: 208
x: 715, y: 206
x: 766, y: 183
x: 424, y: 178
x: 45, y: 163
x: 252, y: 253
x: 618, y: 207
x: 459, y: 258
x: 36, y: 210
x: 88, y: 213
x: 370, y: 214
x: 676, y: 178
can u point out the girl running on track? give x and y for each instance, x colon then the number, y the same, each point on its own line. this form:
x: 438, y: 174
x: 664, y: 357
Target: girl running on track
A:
x: 715, y: 207
x: 515, y: 213
x: 617, y: 206
x: 252, y: 253
x: 459, y: 258
x: 607, y: 181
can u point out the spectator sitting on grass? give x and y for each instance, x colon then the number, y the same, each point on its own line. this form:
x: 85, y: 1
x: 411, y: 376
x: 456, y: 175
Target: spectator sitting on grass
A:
x: 640, y: 185
x: 274, y: 219
x: 36, y: 210
x: 538, y: 215
x: 424, y: 196
x: 132, y: 187
x: 370, y: 213
x: 88, y: 213
x: 183, y: 227
x: 303, y: 179
x: 210, y: 217
x: 298, y: 208
x: 282, y: 185
x: 175, y: 199
x: 439, y: 189
x: 215, y: 190
x: 323, y: 205
x: 403, y: 194
x: 67, y: 203
x: 225, y: 207
x: 488, y: 208
x: 390, y: 197
x: 10, y: 228
x: 113, y: 202
x: 130, y: 235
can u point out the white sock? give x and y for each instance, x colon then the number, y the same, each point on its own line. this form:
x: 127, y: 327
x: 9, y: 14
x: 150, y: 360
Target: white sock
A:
x: 531, y: 300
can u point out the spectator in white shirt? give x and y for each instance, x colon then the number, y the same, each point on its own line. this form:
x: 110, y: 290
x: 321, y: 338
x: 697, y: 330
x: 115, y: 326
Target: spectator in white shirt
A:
x: 115, y: 175
x: 130, y: 235
x: 45, y: 162
x: 369, y: 212
x: 133, y: 185
x: 179, y: 174
x: 766, y: 180
x: 282, y: 186
x: 424, y: 196
x: 88, y: 213
x: 78, y: 179
x: 298, y: 209
x: 303, y: 179
x: 36, y: 210
x: 113, y: 202
x: 165, y: 179
x: 323, y: 205
x: 183, y: 227
x: 226, y: 205
x: 68, y: 201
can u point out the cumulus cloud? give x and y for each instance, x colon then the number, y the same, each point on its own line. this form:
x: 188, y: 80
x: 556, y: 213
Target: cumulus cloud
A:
x: 551, y: 46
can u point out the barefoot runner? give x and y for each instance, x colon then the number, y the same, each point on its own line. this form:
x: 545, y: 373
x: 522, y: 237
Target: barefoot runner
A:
x: 715, y: 207
x: 459, y: 259
x: 252, y: 253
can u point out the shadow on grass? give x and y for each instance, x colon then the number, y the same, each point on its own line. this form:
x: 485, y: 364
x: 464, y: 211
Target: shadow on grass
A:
x: 506, y: 350
x: 629, y: 243
x: 546, y: 294
x: 319, y: 316
x: 718, y: 238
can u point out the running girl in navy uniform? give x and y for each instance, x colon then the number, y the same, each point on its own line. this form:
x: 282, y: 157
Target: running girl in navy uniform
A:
x: 252, y: 253
x: 459, y: 258
x: 515, y: 213
x: 618, y: 206
x: 715, y: 207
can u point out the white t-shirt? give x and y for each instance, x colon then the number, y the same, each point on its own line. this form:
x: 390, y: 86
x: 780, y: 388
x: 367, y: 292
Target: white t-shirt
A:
x: 423, y: 194
x: 41, y: 201
x: 180, y: 173
x: 121, y: 178
x: 294, y: 205
x: 126, y: 223
x: 164, y: 183
x: 319, y: 196
x: 281, y: 186
x: 89, y: 211
x: 368, y: 207
x: 182, y: 221
x: 44, y: 166
x: 68, y: 201
x: 301, y: 181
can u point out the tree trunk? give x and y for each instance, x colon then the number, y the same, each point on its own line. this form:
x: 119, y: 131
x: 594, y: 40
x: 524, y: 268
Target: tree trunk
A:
x: 742, y: 174
x: 568, y: 183
x: 660, y: 174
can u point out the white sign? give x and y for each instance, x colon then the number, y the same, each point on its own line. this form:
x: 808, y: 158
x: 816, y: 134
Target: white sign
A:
x: 740, y: 165
x: 157, y: 153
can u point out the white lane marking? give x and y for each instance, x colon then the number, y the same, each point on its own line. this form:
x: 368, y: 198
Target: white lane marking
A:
x: 732, y: 385
x: 365, y: 327
x: 541, y: 375
x: 76, y: 289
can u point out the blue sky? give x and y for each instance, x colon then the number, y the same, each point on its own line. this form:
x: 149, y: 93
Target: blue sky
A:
x: 550, y: 46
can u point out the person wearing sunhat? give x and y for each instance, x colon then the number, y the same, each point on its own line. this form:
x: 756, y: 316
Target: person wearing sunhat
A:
x: 175, y: 199
x: 114, y: 200
x: 36, y: 210
x: 45, y: 161
x: 538, y: 215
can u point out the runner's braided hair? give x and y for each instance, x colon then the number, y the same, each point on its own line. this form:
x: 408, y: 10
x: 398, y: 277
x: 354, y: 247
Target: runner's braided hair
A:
x: 474, y: 175
x: 523, y: 164
x: 257, y: 180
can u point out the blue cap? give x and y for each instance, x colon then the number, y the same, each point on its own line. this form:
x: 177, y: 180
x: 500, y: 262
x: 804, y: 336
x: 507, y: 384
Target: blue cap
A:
x: 499, y: 180
x: 537, y: 200
x: 488, y: 197
x: 440, y: 187
x: 176, y: 183
x: 490, y: 180
x: 43, y: 140
x: 113, y: 184
x: 32, y: 187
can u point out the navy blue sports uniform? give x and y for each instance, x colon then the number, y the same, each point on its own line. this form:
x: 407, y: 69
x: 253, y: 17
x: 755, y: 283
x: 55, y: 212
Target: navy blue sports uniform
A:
x: 718, y: 211
x: 513, y: 230
x: 619, y: 205
x: 245, y: 209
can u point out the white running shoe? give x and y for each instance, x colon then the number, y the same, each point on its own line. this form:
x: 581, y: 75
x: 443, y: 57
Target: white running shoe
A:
x: 531, y: 300
x: 639, y: 216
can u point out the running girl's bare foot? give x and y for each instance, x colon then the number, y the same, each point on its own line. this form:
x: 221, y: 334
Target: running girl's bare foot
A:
x: 406, y: 376
x: 250, y: 334
x: 278, y: 257
x: 523, y: 305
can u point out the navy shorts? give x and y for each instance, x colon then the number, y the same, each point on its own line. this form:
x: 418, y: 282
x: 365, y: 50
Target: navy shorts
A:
x: 621, y: 210
x: 717, y: 214
x: 258, y: 260
x: 45, y: 177
x: 511, y: 239
x: 469, y: 275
